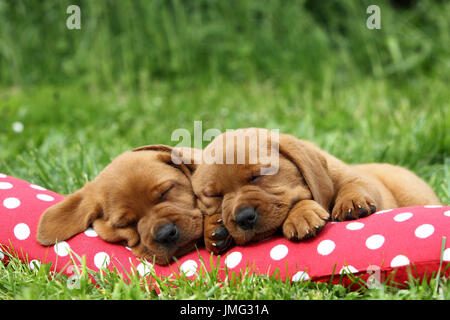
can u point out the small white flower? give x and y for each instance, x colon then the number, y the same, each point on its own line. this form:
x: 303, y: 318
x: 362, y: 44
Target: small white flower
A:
x: 17, y: 127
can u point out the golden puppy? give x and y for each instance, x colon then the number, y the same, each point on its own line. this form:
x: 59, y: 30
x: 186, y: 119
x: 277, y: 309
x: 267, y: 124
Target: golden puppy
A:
x: 142, y: 198
x: 243, y: 203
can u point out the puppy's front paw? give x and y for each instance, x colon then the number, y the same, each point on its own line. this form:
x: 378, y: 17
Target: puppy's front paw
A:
x: 305, y: 220
x: 350, y: 206
x: 216, y: 236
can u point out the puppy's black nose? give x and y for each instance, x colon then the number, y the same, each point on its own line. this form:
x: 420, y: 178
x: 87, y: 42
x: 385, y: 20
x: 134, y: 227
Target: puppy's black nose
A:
x: 167, y: 234
x: 246, y: 217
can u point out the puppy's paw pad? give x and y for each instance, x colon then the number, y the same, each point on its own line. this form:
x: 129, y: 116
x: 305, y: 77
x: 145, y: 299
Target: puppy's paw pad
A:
x: 220, y: 233
x: 216, y: 236
x: 353, y: 208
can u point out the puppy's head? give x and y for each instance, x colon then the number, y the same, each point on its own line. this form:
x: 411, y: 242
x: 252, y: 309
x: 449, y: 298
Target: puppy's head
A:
x: 142, y: 188
x: 253, y: 200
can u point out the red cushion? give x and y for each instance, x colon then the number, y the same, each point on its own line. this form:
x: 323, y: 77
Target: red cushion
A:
x: 392, y: 240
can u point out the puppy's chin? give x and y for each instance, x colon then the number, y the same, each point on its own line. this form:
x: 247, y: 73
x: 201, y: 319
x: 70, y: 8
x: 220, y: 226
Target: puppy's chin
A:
x: 163, y: 256
x: 168, y: 258
x: 246, y: 237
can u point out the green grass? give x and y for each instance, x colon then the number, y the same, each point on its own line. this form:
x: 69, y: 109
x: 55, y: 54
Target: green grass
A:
x: 19, y: 281
x: 137, y: 71
x: 70, y: 134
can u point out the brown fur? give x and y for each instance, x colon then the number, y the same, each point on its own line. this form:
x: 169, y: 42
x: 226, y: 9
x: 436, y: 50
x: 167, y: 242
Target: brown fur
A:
x: 127, y: 202
x: 310, y: 188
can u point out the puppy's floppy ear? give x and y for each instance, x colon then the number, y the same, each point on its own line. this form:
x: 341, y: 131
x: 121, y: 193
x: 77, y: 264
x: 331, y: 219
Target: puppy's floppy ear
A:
x: 154, y: 147
x: 186, y: 158
x: 71, y: 216
x: 312, y: 165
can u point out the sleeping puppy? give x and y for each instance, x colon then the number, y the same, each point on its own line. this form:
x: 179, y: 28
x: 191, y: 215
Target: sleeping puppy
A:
x: 308, y: 188
x: 142, y: 199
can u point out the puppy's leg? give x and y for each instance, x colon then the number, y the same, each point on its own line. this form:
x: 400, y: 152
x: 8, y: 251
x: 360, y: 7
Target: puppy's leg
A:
x: 305, y: 220
x: 356, y: 199
x: 216, y: 236
x: 355, y: 193
x: 111, y: 234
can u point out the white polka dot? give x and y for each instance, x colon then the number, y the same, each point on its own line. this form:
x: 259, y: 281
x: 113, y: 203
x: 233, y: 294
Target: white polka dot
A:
x: 447, y: 213
x: 424, y: 231
x: 399, y: 261
x: 383, y: 211
x: 11, y: 203
x: 90, y: 232
x: 2, y: 175
x: 34, y: 186
x: 5, y: 185
x: 279, y: 252
x: 348, y: 269
x: 446, y: 255
x: 326, y: 247
x: 375, y: 241
x: 430, y: 206
x: 189, y: 267
x: 62, y: 248
x: 403, y: 216
x: 144, y: 268
x: 300, y: 276
x: 101, y: 260
x: 21, y: 231
x: 128, y: 248
x: 34, y: 264
x: 233, y: 259
x: 45, y: 197
x: 2, y: 255
x: 355, y: 226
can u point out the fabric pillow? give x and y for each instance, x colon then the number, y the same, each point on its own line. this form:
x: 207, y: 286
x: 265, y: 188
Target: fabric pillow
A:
x: 388, y: 245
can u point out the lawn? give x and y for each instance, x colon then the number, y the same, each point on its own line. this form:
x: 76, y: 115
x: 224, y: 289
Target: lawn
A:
x: 71, y: 101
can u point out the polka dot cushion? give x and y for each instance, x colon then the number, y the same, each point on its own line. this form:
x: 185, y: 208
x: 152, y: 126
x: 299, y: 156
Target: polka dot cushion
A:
x: 386, y: 246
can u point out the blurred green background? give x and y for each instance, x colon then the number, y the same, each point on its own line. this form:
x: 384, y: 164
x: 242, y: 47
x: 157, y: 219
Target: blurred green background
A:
x: 71, y: 100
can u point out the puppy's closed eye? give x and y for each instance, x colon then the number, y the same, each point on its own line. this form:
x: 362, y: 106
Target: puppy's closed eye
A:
x: 254, y: 179
x: 163, y: 194
x: 214, y: 195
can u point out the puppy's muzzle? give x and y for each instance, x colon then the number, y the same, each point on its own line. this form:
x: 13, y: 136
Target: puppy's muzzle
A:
x: 167, y: 235
x: 246, y: 217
